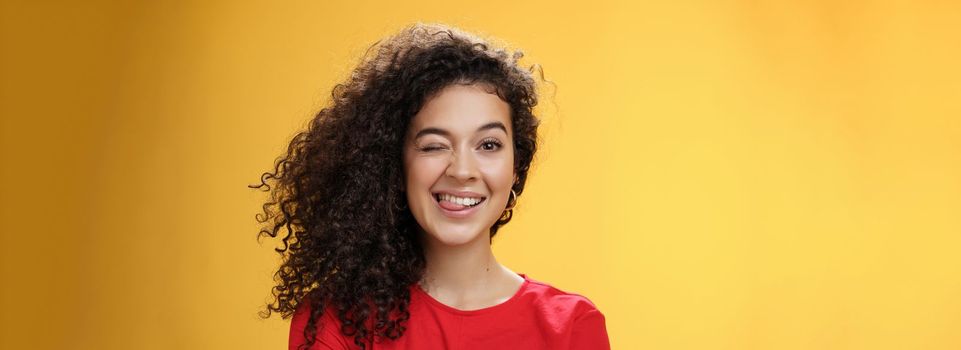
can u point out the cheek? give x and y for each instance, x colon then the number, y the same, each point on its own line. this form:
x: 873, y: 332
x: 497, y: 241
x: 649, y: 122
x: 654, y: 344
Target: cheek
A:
x: 499, y: 173
x: 421, y: 173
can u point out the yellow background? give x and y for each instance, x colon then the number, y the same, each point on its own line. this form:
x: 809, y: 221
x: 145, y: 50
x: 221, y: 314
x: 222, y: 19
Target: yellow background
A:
x: 715, y: 175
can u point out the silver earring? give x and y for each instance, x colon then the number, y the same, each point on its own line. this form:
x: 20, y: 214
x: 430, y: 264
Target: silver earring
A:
x: 510, y: 202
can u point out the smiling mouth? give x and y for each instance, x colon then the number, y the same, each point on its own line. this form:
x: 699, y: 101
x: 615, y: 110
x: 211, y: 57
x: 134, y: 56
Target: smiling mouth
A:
x: 454, y: 203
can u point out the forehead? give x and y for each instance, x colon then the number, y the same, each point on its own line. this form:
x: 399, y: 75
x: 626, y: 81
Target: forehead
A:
x: 462, y: 109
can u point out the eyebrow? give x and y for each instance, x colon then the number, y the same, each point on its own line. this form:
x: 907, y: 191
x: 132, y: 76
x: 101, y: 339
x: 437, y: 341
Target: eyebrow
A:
x: 442, y: 132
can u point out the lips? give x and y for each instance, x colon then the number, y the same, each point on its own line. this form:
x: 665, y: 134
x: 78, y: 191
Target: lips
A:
x: 456, y: 207
x: 455, y: 210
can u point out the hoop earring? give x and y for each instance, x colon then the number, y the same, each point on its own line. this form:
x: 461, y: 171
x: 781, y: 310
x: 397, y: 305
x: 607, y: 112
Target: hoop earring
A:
x: 510, y: 202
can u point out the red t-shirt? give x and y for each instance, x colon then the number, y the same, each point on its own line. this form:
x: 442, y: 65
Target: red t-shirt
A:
x: 537, y: 316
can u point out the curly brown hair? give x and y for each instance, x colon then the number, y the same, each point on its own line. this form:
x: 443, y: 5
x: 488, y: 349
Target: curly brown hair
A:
x: 350, y: 240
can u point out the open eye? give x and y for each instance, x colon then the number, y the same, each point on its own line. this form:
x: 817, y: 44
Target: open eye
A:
x: 491, y: 144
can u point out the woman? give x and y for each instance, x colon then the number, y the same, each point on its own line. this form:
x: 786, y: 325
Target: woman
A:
x: 390, y: 200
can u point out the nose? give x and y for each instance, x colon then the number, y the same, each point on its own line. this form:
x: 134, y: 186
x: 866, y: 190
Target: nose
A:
x: 463, y: 165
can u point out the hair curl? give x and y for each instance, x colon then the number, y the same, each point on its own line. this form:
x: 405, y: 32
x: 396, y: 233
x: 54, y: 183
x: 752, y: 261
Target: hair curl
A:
x: 350, y: 240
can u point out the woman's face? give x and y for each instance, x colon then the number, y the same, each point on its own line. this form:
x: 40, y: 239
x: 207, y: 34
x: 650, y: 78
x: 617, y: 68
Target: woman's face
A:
x: 459, y: 164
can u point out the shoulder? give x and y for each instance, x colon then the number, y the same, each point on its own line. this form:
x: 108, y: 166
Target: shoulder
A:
x: 327, y: 326
x: 571, y: 311
x: 561, y: 304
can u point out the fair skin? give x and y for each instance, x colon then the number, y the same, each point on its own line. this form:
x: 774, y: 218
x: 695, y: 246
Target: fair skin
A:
x: 459, y: 168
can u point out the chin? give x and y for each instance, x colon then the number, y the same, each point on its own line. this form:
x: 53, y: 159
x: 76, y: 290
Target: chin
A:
x: 455, y: 236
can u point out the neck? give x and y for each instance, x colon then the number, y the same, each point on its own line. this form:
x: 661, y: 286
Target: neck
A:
x: 464, y: 269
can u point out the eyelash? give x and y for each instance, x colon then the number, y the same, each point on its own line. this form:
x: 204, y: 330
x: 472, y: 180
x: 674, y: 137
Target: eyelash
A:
x: 492, y: 141
x: 428, y: 149
x: 486, y: 141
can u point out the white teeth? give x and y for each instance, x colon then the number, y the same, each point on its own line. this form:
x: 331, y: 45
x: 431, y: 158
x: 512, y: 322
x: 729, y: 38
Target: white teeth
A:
x: 460, y: 200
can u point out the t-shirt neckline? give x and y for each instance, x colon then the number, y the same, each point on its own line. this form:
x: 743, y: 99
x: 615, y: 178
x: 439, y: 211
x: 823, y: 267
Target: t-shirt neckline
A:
x: 430, y: 300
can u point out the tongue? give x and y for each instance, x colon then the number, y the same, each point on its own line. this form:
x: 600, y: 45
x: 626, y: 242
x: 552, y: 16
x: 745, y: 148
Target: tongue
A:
x: 452, y: 206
